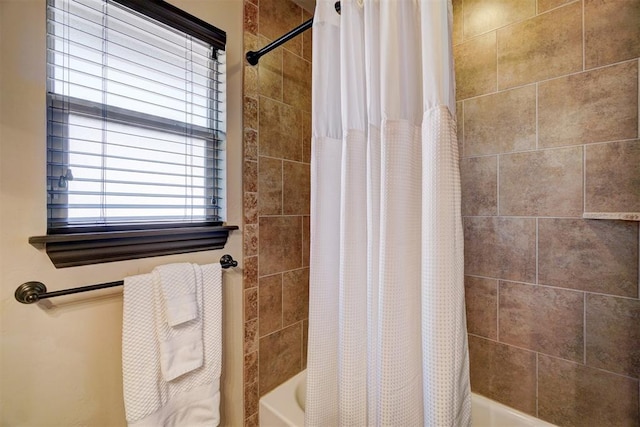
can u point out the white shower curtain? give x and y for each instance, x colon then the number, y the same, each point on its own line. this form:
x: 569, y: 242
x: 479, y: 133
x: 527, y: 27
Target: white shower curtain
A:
x: 387, y: 331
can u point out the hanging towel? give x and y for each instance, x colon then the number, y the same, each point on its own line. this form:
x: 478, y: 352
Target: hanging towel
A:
x: 192, y: 399
x: 178, y: 284
x: 179, y: 325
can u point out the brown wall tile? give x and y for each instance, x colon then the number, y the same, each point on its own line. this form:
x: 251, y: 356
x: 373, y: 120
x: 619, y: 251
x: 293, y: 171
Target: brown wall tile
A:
x: 250, y: 176
x: 457, y: 34
x: 250, y: 237
x: 306, y: 137
x: 501, y: 122
x: 279, y: 130
x: 280, y: 357
x: 307, y: 38
x: 270, y: 304
x: 599, y: 105
x: 250, y: 336
x: 250, y: 43
x: 277, y: 17
x: 479, y: 179
x: 250, y: 18
x: 252, y: 421
x: 612, y: 32
x: 270, y: 82
x: 613, y: 334
x: 251, y: 399
x: 297, y: 188
x: 612, y: 177
x: 250, y: 80
x: 251, y: 367
x: 544, y: 5
x: 460, y: 128
x: 475, y: 66
x: 591, y: 255
x: 570, y: 394
x: 250, y: 304
x: 481, y: 300
x: 250, y: 208
x: 250, y: 144
x: 481, y: 16
x: 275, y: 131
x: 306, y: 240
x: 250, y: 272
x: 270, y: 186
x: 305, y: 342
x: 503, y: 248
x: 539, y: 48
x: 280, y: 247
x: 297, y: 81
x: 542, y: 319
x: 542, y: 183
x: 295, y: 296
x: 503, y: 373
x: 250, y: 113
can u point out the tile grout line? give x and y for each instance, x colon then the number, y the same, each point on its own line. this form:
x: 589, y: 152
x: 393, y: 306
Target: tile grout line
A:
x: 588, y: 144
x: 520, y: 21
x: 584, y: 40
x: 498, y: 185
x: 617, y: 374
x: 537, y: 382
x: 498, y: 310
x: 584, y: 329
x: 537, y: 250
x: 584, y: 178
x: 497, y: 63
x: 520, y: 282
x: 537, y: 117
x: 546, y: 80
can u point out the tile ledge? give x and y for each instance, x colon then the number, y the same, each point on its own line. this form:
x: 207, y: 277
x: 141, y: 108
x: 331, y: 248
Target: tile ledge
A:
x: 626, y: 216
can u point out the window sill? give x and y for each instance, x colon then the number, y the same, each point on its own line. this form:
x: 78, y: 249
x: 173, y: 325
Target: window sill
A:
x: 75, y: 249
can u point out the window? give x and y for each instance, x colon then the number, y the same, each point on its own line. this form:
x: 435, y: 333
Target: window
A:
x: 135, y: 123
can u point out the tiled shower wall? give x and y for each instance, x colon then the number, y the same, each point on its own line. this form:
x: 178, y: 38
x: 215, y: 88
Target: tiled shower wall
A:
x: 277, y: 122
x: 548, y: 115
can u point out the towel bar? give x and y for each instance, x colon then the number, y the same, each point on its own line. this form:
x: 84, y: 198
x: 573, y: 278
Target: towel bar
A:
x: 30, y: 292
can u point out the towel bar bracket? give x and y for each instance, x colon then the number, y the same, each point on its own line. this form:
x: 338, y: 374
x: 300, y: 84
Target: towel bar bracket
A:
x: 31, y: 292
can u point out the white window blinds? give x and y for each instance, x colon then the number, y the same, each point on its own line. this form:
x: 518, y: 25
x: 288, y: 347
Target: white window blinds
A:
x: 136, y: 115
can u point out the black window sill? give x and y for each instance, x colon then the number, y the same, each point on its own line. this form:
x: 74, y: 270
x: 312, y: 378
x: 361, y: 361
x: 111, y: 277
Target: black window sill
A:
x: 75, y: 249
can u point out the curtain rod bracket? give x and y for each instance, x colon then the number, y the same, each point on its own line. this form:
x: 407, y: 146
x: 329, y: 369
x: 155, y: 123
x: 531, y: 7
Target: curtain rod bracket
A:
x: 254, y: 56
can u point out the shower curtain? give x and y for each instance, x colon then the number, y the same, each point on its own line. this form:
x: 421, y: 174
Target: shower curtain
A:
x: 387, y: 332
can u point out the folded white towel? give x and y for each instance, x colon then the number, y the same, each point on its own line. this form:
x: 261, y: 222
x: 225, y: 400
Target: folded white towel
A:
x: 180, y: 344
x: 178, y: 284
x: 191, y: 399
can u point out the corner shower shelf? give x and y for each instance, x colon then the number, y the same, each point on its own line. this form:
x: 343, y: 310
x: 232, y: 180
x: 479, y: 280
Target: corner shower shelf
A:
x: 625, y: 216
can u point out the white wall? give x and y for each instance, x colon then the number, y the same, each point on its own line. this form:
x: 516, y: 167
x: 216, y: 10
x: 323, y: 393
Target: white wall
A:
x: 61, y: 366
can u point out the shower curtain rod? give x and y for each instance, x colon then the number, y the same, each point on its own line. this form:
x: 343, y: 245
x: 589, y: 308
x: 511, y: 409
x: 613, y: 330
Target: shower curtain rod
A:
x: 31, y: 292
x: 254, y: 56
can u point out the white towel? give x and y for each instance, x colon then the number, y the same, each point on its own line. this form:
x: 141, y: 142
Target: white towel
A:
x: 178, y: 284
x: 180, y: 342
x: 192, y: 399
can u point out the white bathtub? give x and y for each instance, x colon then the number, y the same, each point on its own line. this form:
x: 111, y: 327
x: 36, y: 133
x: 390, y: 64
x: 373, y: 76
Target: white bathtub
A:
x: 282, y: 407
